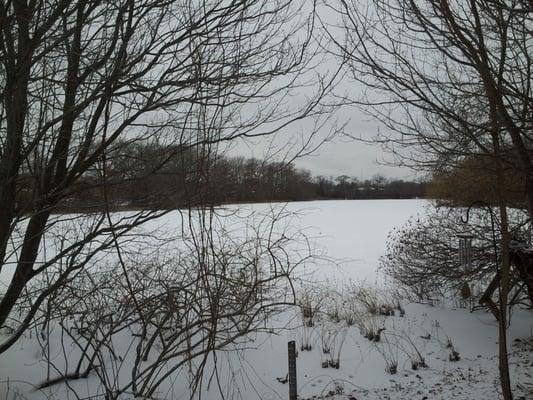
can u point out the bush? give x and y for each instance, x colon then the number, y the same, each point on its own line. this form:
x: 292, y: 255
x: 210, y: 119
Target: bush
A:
x: 423, y: 255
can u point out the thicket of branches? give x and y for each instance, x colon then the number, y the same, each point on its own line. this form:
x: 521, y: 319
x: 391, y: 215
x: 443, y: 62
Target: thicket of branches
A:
x: 449, y: 80
x: 423, y: 255
x: 80, y: 80
x: 137, y: 325
x: 85, y: 84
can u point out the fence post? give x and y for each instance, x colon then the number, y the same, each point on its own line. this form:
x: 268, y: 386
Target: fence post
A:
x: 293, y: 393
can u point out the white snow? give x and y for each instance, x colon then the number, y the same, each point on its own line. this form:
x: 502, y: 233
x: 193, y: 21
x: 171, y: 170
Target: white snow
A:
x: 353, y: 234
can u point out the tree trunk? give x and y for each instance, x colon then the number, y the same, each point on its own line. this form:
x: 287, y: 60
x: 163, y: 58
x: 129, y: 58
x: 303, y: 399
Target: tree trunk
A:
x: 24, y: 270
x: 502, y: 323
x: 503, y: 357
x: 529, y: 196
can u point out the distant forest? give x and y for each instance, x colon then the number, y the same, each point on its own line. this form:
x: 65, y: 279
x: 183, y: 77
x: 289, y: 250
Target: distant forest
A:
x: 157, y: 176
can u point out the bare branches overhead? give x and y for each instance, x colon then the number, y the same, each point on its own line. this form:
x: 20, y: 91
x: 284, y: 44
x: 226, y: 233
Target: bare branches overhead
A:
x: 78, y: 79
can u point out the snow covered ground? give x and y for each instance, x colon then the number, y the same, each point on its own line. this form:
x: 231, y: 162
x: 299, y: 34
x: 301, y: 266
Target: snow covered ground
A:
x: 353, y: 234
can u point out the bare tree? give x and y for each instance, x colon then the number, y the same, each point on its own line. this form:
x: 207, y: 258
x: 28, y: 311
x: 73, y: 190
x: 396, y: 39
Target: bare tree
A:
x: 448, y: 80
x: 81, y: 79
x: 443, y: 78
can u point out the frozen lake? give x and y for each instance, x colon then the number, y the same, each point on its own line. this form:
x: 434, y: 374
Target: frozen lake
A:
x: 352, y: 233
x: 348, y: 237
x: 355, y: 231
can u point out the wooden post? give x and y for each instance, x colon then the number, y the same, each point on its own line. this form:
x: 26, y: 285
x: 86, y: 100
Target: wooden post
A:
x: 293, y: 393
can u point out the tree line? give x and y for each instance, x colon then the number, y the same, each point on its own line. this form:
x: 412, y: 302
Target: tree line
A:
x: 141, y: 175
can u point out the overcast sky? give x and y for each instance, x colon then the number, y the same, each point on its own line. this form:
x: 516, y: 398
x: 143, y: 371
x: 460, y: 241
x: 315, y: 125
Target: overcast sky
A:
x: 353, y: 159
x: 340, y: 156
